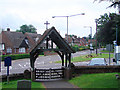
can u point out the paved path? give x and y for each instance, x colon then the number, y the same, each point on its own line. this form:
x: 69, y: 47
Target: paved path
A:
x: 59, y: 84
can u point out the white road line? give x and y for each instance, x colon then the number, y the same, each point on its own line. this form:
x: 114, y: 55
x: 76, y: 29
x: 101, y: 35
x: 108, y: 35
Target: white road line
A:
x: 24, y: 65
x: 20, y: 65
x: 10, y: 67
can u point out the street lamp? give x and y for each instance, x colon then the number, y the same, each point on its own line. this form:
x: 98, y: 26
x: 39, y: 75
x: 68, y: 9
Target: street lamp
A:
x: 90, y: 34
x: 96, y: 21
x: 67, y: 20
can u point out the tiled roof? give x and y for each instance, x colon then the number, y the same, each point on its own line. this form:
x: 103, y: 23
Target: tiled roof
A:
x: 32, y: 38
x: 16, y: 38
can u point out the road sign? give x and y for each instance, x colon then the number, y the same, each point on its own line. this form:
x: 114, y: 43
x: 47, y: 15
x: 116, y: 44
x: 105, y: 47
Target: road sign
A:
x: 7, y: 61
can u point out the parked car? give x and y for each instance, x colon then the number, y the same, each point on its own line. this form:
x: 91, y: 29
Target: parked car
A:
x: 97, y: 62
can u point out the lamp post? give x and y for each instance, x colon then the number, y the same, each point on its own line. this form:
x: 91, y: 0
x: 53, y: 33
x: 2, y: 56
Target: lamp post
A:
x: 91, y: 35
x: 67, y: 20
x: 96, y: 35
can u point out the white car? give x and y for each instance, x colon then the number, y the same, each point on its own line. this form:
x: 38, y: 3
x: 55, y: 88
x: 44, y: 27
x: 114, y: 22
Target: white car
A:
x: 97, y: 62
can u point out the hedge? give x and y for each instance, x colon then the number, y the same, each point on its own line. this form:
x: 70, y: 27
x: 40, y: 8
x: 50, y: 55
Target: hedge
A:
x: 15, y: 56
x: 79, y: 48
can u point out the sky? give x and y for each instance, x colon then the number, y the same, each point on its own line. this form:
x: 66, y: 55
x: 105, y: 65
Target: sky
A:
x: 15, y: 13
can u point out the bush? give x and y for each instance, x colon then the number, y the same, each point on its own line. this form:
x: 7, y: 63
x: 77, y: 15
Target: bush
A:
x: 80, y: 49
x: 16, y: 56
x: 75, y: 48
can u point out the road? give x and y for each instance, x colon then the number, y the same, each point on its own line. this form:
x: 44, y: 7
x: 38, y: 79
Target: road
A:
x: 18, y: 66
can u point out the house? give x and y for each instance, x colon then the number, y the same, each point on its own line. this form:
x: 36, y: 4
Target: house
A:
x: 74, y: 40
x: 16, y: 42
x: 32, y: 38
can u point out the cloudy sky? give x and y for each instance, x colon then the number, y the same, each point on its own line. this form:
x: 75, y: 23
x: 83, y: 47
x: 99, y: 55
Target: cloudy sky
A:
x: 14, y: 13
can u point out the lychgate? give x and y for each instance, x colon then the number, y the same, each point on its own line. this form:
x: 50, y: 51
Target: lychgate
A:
x: 51, y: 37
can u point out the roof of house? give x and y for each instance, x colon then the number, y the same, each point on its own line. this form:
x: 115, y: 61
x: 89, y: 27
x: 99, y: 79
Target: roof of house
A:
x: 32, y: 38
x: 16, y: 38
x: 56, y: 38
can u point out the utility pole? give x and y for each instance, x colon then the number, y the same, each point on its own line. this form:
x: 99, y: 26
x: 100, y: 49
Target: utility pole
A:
x: 67, y: 20
x: 96, y: 36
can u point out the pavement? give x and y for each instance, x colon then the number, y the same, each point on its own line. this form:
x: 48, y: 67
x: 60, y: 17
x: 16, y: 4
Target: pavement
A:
x: 59, y: 84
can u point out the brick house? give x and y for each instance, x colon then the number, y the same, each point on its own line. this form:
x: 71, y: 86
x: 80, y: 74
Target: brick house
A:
x: 17, y: 42
x: 74, y: 40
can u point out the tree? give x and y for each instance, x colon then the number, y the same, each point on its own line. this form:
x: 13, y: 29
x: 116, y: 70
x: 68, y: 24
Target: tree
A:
x: 27, y: 28
x: 114, y: 4
x: 107, y: 28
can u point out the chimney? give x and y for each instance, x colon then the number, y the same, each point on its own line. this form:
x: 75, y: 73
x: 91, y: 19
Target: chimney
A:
x: 8, y: 29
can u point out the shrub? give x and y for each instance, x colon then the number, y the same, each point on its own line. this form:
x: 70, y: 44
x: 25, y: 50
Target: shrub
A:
x: 80, y: 49
x: 16, y: 56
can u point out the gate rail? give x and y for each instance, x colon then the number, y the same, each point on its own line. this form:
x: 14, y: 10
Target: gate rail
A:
x: 45, y: 74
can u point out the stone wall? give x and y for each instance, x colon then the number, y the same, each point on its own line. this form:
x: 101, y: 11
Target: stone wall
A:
x: 12, y: 77
x: 95, y: 69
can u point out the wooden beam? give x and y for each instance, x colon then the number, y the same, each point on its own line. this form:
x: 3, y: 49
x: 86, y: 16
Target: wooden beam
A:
x: 32, y: 61
x: 69, y: 60
x: 59, y: 54
x: 54, y: 49
x: 33, y: 57
x: 47, y: 43
x: 62, y: 59
x: 66, y: 58
x: 62, y: 56
x: 51, y: 44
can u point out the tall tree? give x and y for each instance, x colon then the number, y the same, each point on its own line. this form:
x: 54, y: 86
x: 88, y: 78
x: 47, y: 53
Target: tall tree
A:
x: 115, y: 3
x: 107, y: 28
x: 27, y: 28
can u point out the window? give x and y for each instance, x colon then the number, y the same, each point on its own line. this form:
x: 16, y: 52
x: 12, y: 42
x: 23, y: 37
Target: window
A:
x: 26, y: 40
x: 2, y: 46
x: 36, y: 39
x: 21, y: 50
x: 15, y: 50
x: 9, y: 50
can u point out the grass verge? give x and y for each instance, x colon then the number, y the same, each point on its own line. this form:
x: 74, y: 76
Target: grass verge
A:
x: 101, y: 80
x: 13, y: 84
x: 85, y: 58
x: 104, y: 51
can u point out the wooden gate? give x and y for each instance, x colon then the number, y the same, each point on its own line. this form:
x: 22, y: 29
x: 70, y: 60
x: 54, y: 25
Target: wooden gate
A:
x: 46, y: 74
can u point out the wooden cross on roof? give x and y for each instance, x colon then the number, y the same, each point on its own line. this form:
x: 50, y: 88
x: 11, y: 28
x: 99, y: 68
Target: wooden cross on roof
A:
x: 46, y: 24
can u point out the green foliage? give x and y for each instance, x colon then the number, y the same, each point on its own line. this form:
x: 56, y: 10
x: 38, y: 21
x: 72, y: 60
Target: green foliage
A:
x: 84, y: 58
x: 79, y: 48
x: 16, y: 56
x: 106, y: 27
x: 13, y: 85
x: 101, y: 80
x: 27, y: 28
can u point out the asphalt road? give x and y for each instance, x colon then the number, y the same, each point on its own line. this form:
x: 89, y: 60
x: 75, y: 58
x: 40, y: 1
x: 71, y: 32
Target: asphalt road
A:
x: 18, y: 66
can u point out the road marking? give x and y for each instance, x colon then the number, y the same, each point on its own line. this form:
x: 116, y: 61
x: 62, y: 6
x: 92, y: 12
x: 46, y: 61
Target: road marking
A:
x: 20, y: 65
x: 41, y: 62
x: 10, y: 67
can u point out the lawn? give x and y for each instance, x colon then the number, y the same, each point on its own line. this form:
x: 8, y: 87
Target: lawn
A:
x: 13, y: 84
x: 104, y: 51
x: 101, y: 80
x: 85, y: 58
